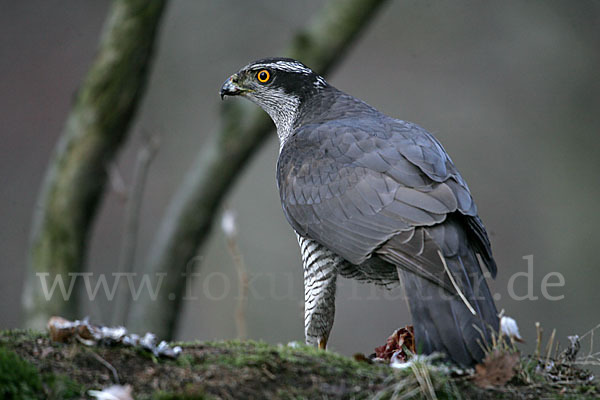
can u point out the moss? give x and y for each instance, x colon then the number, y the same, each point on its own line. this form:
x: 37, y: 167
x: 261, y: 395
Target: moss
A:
x: 12, y: 335
x: 283, y: 371
x: 239, y: 369
x: 18, y: 378
x: 185, y: 360
x: 240, y: 353
x: 59, y: 386
x: 288, y: 361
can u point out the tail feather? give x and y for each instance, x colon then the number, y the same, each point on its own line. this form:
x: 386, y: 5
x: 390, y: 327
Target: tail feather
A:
x: 442, y: 321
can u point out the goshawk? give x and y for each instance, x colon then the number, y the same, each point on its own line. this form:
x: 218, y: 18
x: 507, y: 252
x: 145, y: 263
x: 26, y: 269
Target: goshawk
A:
x: 376, y: 199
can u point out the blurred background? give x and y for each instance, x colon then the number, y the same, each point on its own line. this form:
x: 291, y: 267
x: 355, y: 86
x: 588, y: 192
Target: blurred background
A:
x: 510, y: 88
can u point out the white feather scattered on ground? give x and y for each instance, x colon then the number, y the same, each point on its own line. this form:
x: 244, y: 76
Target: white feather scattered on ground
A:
x: 115, y: 392
x: 509, y: 327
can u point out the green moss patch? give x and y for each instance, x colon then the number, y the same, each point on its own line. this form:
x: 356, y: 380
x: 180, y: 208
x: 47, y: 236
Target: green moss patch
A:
x: 33, y: 367
x: 20, y: 379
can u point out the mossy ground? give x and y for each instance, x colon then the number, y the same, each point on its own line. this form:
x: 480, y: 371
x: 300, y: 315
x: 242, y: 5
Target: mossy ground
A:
x: 32, y: 367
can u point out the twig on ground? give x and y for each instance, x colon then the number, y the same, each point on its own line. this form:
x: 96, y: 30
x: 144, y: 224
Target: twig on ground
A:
x: 591, y: 358
x: 549, y: 346
x: 107, y: 365
x: 538, y: 345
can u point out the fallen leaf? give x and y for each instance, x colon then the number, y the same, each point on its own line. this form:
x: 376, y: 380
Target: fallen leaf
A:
x: 60, y: 329
x: 396, y: 345
x: 497, y: 368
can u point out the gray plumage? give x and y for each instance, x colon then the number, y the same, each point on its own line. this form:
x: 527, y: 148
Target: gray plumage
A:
x: 376, y: 199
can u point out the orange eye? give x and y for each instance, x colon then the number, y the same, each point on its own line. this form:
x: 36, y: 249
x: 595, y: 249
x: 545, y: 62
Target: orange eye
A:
x: 263, y: 76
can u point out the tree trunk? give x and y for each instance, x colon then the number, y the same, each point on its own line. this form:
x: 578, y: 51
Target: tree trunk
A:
x: 95, y: 129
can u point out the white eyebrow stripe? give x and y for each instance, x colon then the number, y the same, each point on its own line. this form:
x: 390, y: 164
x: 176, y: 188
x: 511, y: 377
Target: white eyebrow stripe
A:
x: 287, y: 66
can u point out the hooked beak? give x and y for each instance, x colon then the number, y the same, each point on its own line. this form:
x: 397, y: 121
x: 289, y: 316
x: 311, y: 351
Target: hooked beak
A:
x: 231, y: 88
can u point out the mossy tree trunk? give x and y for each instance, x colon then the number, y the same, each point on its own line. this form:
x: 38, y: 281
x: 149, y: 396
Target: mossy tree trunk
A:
x: 96, y: 127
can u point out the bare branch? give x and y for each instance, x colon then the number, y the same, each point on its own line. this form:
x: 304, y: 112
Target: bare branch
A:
x: 131, y: 226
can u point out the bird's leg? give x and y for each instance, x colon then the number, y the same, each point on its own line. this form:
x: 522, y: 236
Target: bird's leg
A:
x: 319, y: 303
x: 323, y: 343
x: 320, y: 273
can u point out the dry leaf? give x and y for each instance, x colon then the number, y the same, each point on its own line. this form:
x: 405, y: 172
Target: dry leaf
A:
x: 497, y: 368
x: 401, y: 339
x: 60, y: 329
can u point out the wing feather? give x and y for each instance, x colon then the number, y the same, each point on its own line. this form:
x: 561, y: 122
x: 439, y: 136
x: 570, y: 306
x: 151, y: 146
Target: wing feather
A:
x: 356, y: 184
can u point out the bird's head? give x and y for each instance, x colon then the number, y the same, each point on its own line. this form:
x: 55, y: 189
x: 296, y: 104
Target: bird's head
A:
x: 278, y: 85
